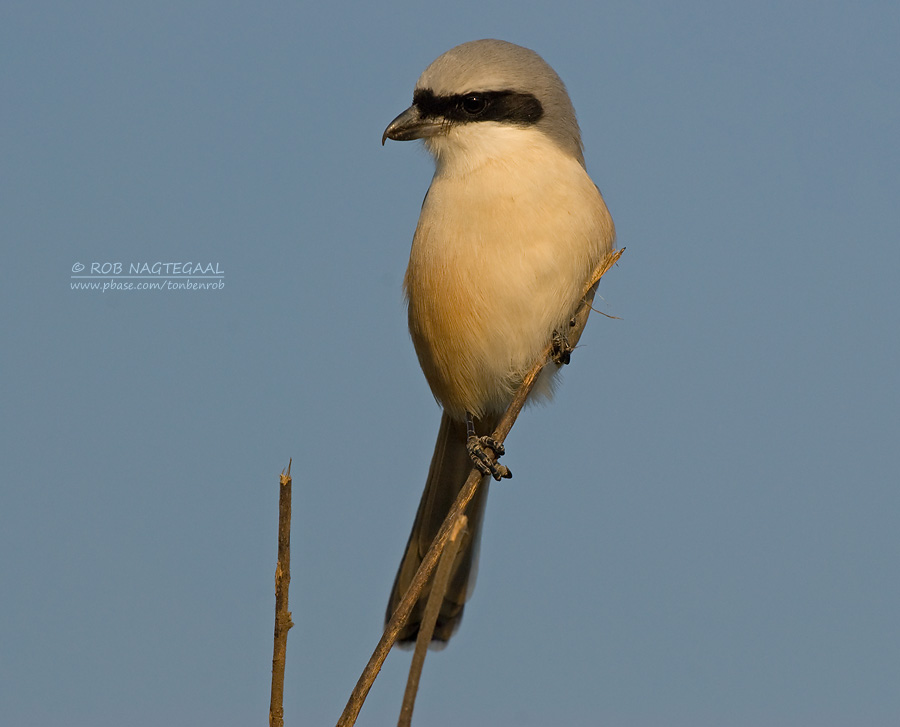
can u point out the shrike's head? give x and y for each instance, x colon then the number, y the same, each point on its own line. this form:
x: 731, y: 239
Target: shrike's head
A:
x: 477, y: 99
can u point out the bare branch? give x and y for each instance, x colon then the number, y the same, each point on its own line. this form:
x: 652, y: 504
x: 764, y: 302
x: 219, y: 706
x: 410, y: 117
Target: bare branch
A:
x: 401, y: 614
x: 429, y: 619
x: 283, y: 621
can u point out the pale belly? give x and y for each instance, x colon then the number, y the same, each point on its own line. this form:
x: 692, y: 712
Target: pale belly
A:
x: 491, y: 276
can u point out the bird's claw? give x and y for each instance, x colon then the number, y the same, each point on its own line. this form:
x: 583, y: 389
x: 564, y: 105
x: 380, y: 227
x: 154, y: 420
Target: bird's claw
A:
x: 477, y: 448
x: 561, y: 351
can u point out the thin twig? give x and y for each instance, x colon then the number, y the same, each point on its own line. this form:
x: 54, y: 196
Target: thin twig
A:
x: 429, y: 619
x: 401, y: 613
x: 283, y: 621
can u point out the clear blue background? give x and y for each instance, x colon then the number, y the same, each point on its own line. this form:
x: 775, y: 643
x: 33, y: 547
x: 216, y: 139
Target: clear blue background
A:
x: 703, y: 527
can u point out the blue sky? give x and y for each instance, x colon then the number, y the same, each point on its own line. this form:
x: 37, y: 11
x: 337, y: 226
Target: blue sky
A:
x: 703, y: 525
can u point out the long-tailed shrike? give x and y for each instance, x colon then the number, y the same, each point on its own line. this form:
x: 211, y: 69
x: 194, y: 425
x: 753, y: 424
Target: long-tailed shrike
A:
x: 510, y: 231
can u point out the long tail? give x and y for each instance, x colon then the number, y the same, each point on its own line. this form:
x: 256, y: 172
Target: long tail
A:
x: 450, y: 467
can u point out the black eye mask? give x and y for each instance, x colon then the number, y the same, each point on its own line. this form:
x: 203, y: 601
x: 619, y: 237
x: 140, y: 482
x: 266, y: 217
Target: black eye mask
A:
x: 510, y: 107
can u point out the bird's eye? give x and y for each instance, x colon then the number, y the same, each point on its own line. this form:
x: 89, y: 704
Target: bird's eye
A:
x: 473, y: 104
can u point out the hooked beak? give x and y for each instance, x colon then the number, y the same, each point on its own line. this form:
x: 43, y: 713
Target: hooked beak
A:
x: 410, y: 125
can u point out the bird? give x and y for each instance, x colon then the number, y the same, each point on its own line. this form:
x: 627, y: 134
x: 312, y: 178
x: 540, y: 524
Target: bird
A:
x: 509, y: 233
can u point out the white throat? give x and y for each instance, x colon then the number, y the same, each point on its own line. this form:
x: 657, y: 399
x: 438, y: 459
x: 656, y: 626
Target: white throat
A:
x: 466, y: 147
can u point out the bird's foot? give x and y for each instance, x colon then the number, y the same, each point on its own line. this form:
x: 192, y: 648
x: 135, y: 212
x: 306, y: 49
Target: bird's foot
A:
x: 478, y: 447
x: 561, y: 351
